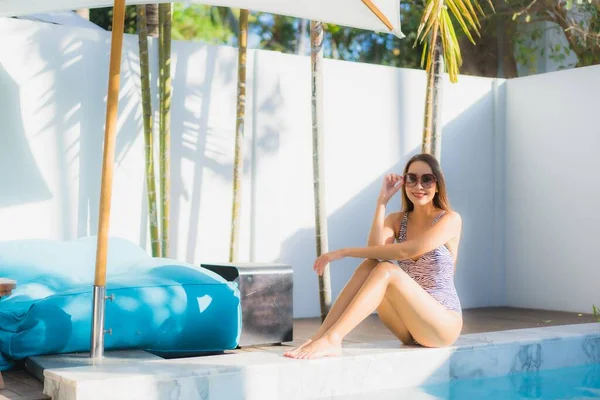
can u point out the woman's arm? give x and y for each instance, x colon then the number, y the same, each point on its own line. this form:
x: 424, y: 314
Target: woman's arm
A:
x: 382, y: 229
x: 446, y: 229
x: 441, y: 233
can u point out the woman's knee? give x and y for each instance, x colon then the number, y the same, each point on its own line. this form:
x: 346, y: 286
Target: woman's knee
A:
x: 366, y: 267
x: 386, y: 268
x: 396, y: 277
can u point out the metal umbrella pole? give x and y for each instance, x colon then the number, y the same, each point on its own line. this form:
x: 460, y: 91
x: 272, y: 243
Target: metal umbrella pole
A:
x: 110, y: 131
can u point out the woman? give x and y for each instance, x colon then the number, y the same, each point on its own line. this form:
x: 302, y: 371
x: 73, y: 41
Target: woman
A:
x: 408, y: 270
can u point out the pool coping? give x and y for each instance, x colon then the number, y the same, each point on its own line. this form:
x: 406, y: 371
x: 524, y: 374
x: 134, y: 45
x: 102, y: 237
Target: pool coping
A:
x: 364, y: 367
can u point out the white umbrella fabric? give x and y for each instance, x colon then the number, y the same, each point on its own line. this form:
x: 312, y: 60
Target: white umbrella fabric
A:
x: 373, y: 15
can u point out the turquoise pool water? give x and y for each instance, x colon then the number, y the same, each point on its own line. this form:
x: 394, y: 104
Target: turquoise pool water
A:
x: 581, y: 382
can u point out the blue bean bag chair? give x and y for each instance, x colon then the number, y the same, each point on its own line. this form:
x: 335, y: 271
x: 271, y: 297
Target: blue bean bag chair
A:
x: 160, y: 305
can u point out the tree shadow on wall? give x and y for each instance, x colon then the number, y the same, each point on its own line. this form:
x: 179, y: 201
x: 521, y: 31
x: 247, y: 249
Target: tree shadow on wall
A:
x: 21, y: 180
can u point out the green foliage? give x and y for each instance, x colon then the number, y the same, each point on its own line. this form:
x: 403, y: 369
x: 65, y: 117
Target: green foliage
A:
x: 205, y: 23
x: 276, y: 32
x: 577, y: 21
x: 437, y: 23
x: 219, y: 25
x: 596, y: 312
x: 281, y: 33
x: 529, y: 47
x: 103, y: 18
x: 570, y: 3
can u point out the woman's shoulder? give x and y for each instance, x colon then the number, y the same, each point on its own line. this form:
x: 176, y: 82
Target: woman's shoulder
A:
x: 393, y: 219
x: 452, y: 217
x: 452, y: 214
x: 395, y: 216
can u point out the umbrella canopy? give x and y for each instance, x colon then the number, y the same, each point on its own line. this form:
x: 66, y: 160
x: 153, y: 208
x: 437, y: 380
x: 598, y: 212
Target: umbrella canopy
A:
x: 69, y: 18
x: 373, y: 15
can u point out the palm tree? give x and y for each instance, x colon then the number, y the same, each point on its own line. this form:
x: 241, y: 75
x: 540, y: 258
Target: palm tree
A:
x: 442, y: 50
x: 316, y: 56
x: 432, y: 139
x: 148, y: 136
x: 238, y: 165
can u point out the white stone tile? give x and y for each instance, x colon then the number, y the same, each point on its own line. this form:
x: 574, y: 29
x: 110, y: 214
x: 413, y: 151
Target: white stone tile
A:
x: 384, y: 368
x: 68, y: 361
x: 529, y: 335
x: 57, y: 391
x: 570, y: 352
x: 257, y: 383
x: 130, y: 388
x: 83, y: 359
x: 482, y: 362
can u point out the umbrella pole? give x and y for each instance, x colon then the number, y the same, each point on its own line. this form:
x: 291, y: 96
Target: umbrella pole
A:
x: 112, y: 104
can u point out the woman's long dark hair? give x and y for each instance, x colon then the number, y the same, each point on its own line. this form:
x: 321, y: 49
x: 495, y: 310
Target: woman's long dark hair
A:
x: 440, y: 200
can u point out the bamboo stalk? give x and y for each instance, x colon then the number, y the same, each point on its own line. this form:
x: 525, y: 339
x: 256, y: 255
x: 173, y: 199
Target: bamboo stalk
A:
x: 164, y: 11
x: 110, y: 133
x: 152, y: 19
x: 316, y: 57
x: 238, y: 165
x: 148, y: 136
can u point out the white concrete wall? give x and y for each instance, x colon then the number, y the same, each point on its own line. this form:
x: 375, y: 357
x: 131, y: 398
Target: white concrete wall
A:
x: 552, y: 222
x: 54, y: 90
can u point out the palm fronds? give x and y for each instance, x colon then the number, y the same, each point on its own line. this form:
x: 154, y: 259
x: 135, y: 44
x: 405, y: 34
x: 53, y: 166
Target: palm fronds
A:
x: 437, y: 21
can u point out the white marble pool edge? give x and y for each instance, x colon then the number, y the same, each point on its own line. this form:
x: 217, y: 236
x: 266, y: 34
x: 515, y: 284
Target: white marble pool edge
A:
x: 363, y: 368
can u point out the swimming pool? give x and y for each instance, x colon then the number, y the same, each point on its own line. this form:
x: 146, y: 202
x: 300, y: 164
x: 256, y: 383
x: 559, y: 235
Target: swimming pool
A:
x: 570, y: 383
x: 580, y: 382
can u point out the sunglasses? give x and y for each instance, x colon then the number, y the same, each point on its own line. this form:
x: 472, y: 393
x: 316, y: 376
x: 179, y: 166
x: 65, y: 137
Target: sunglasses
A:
x: 427, y: 180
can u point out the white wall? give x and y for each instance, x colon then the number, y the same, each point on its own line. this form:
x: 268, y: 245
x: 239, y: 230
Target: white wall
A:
x: 373, y: 124
x: 53, y: 91
x: 552, y: 218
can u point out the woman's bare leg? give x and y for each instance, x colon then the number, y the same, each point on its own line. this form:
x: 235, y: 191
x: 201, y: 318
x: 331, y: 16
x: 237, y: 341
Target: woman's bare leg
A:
x: 430, y: 323
x: 359, y: 277
x: 393, y: 321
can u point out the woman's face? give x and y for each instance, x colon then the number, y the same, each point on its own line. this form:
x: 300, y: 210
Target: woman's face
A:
x: 420, y: 183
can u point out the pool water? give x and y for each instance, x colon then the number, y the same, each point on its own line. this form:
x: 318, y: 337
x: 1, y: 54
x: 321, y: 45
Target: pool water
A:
x: 581, y: 382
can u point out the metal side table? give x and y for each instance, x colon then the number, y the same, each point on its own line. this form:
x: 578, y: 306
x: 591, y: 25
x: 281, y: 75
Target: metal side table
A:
x: 266, y: 296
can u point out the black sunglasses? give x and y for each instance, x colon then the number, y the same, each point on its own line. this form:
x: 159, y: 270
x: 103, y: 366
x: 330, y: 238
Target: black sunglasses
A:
x: 427, y: 180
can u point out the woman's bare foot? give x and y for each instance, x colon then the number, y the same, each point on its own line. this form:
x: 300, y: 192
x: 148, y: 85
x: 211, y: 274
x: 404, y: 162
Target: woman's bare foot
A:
x: 323, y: 347
x: 296, y: 350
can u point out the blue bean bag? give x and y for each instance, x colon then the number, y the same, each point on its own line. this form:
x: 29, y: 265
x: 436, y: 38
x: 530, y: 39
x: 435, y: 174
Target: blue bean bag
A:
x: 160, y: 305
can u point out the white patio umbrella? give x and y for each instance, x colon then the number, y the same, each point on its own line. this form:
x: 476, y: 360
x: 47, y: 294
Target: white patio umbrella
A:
x: 374, y: 15
x: 69, y: 18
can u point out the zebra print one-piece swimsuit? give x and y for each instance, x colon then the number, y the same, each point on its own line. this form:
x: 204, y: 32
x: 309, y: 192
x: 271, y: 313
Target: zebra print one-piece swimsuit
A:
x: 433, y: 271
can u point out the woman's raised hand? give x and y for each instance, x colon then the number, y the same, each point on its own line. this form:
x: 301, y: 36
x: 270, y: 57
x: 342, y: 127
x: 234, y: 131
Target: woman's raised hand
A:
x: 391, y: 184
